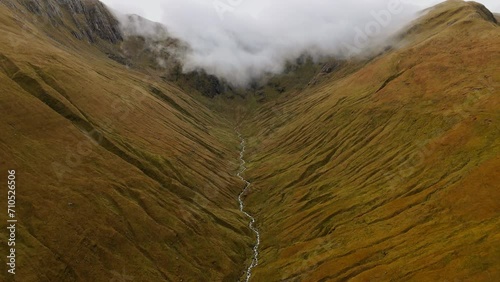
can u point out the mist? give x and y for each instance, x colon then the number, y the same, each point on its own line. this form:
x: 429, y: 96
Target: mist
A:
x: 243, y: 40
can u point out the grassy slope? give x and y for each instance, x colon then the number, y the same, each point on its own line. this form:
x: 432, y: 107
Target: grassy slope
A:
x: 117, y: 172
x: 392, y: 172
x: 381, y: 171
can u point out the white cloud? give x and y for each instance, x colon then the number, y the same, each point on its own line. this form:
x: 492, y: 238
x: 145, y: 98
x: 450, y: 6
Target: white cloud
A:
x: 240, y: 40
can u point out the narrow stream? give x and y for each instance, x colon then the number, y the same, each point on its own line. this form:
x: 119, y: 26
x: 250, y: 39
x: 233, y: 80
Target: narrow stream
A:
x: 255, y: 259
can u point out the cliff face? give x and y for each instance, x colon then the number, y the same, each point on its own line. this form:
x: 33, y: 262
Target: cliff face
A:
x: 93, y: 19
x: 86, y: 20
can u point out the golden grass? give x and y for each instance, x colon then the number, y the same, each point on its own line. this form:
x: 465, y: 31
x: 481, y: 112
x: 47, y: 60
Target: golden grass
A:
x: 381, y: 170
x: 388, y: 173
x: 118, y: 171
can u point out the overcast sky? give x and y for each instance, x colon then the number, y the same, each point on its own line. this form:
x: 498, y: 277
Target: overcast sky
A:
x: 241, y: 40
x: 154, y: 9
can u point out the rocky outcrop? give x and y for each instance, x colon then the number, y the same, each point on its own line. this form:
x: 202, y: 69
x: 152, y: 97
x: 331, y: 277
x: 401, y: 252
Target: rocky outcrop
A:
x: 86, y: 19
x: 98, y: 19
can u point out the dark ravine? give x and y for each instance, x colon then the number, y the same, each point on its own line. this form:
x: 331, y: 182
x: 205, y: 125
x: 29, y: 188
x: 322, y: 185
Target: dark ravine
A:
x: 251, y: 225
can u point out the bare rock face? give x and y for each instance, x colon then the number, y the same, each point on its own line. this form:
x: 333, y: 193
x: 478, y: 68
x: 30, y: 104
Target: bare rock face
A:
x: 91, y: 19
x: 75, y: 6
x: 99, y: 20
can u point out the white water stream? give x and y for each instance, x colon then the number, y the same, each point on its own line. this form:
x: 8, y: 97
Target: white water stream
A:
x: 255, y: 258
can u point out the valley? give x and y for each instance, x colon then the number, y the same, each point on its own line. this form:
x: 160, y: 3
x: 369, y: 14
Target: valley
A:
x: 375, y: 168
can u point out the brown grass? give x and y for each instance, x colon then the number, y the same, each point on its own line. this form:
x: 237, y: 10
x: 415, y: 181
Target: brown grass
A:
x: 381, y: 170
x: 389, y: 173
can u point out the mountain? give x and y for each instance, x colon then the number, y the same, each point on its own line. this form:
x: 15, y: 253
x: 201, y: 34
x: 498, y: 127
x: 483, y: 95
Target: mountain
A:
x: 389, y: 172
x: 381, y: 168
x: 118, y: 170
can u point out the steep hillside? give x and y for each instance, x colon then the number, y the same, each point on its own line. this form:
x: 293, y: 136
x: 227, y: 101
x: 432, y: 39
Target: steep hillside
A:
x: 378, y: 169
x: 389, y: 172
x: 118, y: 171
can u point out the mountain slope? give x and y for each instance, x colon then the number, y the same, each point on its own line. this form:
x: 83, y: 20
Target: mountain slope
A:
x: 391, y: 172
x: 364, y: 169
x: 117, y: 170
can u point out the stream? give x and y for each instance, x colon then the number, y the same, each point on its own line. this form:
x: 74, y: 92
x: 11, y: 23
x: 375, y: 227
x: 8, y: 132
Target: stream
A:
x: 251, y: 225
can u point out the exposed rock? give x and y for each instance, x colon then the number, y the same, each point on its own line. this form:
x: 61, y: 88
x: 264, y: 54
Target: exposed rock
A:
x: 91, y: 18
x: 330, y: 67
x: 101, y: 22
x: 208, y: 85
x: 33, y: 6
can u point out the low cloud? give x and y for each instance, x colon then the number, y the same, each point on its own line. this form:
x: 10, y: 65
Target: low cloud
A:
x: 242, y: 40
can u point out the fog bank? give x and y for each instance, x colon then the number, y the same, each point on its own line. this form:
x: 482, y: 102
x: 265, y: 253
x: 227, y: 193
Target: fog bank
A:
x: 240, y: 40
